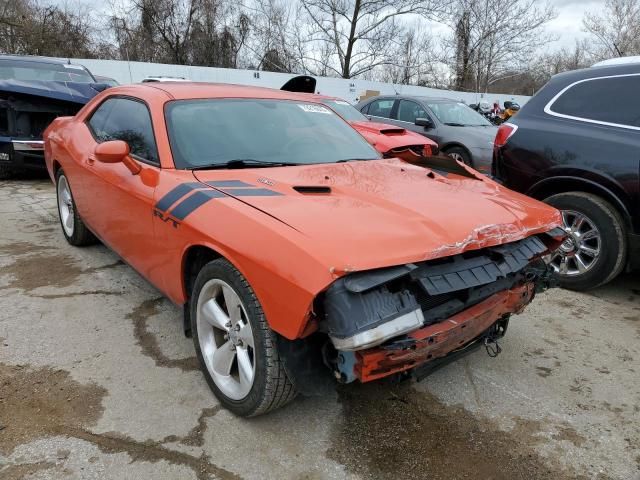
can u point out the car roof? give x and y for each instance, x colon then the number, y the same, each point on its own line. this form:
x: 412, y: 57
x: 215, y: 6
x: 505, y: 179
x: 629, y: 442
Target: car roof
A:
x: 34, y: 59
x: 195, y: 90
x: 618, y: 61
x: 421, y: 98
x: 597, y: 70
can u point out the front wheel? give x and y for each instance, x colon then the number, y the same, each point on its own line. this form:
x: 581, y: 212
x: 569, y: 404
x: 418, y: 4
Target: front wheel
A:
x: 234, y: 344
x: 595, y: 250
x: 460, y: 154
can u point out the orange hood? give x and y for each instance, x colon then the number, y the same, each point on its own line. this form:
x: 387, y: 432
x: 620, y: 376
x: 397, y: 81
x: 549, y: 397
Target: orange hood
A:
x: 385, y: 212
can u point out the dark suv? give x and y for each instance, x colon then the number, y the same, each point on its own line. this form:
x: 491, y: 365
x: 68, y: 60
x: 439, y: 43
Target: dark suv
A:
x: 576, y: 145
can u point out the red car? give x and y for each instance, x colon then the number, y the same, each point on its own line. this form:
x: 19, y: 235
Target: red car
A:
x: 300, y: 255
x: 389, y: 140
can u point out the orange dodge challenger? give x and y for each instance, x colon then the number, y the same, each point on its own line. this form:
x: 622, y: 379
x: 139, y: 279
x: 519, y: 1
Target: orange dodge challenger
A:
x: 301, y: 256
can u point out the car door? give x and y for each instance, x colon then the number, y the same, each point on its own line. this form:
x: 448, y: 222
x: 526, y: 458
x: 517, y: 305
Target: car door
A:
x: 407, y: 113
x: 121, y: 204
x: 380, y: 110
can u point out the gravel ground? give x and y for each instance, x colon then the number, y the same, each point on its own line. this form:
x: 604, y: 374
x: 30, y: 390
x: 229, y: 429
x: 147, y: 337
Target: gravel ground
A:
x: 97, y: 381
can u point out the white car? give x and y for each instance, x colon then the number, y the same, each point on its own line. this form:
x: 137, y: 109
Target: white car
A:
x: 161, y: 78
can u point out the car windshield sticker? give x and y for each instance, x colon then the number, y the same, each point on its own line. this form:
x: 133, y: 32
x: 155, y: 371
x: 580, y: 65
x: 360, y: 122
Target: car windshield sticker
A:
x: 314, y: 108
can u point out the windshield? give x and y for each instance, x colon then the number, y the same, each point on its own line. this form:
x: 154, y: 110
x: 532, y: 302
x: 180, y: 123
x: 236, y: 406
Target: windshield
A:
x: 345, y: 110
x: 217, y: 131
x: 33, y: 71
x: 457, y: 114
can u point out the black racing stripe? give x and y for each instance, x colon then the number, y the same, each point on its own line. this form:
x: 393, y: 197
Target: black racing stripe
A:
x: 176, y: 194
x: 229, y: 183
x: 252, y: 192
x: 192, y: 202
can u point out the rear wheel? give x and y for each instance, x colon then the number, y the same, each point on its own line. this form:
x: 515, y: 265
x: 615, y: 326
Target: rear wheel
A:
x: 595, y: 250
x: 460, y: 154
x: 234, y: 344
x: 73, y: 228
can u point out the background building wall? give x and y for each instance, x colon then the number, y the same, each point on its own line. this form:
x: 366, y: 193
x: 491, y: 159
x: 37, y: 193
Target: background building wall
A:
x: 350, y: 90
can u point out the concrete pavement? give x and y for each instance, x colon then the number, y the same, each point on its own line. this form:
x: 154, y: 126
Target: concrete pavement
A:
x: 98, y: 381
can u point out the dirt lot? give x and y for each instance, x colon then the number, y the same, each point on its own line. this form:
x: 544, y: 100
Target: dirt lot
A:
x: 97, y: 381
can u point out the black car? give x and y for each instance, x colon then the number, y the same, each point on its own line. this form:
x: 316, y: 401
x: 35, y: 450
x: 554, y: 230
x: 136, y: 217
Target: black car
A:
x: 576, y: 145
x: 34, y: 91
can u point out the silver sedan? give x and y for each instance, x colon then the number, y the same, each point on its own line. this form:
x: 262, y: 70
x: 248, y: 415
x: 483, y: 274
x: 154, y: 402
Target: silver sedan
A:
x: 459, y: 131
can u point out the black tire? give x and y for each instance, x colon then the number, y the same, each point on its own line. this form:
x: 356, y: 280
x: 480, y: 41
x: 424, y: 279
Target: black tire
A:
x: 271, y: 387
x: 81, y: 235
x: 6, y: 172
x: 613, y: 246
x: 464, y: 155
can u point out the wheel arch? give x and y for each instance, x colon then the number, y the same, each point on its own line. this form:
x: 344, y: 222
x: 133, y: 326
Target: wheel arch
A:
x: 193, y: 259
x: 562, y: 184
x: 450, y: 145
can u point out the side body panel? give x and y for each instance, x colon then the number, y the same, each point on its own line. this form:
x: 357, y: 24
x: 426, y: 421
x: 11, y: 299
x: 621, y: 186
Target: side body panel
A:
x: 548, y: 152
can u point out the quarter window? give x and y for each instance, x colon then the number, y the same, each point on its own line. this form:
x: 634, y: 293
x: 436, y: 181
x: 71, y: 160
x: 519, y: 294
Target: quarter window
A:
x: 127, y: 120
x: 611, y: 100
x: 381, y: 108
x: 408, y: 111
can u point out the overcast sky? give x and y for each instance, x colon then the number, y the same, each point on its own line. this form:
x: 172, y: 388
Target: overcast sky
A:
x: 567, y: 26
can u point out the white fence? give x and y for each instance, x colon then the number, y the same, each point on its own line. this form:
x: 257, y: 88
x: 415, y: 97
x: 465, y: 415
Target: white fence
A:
x: 350, y: 90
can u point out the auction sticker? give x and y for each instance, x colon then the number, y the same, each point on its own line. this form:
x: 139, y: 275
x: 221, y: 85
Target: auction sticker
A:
x: 314, y: 108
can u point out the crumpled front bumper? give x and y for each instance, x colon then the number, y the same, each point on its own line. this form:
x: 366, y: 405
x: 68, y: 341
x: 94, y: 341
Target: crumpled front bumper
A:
x: 440, y: 339
x: 391, y: 320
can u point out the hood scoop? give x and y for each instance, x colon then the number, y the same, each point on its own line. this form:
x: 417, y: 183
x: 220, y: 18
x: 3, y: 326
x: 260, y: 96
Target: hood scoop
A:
x: 392, y: 131
x: 312, y: 189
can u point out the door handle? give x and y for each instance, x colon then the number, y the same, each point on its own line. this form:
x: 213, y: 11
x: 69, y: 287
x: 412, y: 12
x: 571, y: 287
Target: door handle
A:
x: 91, y: 159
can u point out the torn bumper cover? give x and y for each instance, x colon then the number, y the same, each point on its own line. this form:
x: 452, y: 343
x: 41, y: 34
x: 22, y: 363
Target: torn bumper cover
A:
x: 390, y: 320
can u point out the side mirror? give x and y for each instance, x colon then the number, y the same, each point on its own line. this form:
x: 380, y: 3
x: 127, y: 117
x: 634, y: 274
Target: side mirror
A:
x: 424, y: 122
x: 116, y: 151
x: 112, y: 151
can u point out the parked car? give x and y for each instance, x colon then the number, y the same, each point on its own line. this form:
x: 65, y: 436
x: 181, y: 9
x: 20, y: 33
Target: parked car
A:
x: 389, y: 140
x: 161, y: 78
x: 34, y: 91
x: 112, y: 82
x: 459, y: 131
x: 576, y: 145
x: 299, y: 254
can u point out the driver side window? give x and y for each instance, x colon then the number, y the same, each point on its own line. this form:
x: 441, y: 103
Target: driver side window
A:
x: 381, y: 108
x: 408, y: 111
x: 127, y: 120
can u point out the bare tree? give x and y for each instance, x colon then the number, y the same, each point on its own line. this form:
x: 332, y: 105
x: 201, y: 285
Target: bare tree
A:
x: 359, y: 34
x: 492, y: 38
x: 26, y: 27
x: 616, y: 30
x: 272, y: 43
x: 415, y: 61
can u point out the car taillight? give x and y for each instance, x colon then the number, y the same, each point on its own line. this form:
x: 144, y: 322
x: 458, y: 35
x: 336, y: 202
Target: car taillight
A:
x: 505, y: 132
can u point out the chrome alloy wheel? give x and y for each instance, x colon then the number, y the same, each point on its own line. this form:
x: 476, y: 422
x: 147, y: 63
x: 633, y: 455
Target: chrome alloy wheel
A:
x: 226, y: 339
x: 65, y: 205
x: 581, y: 249
x: 456, y: 156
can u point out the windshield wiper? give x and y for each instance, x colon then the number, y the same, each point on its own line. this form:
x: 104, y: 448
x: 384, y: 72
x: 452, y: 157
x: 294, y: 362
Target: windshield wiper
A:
x: 454, y: 124
x: 344, y: 160
x: 242, y: 163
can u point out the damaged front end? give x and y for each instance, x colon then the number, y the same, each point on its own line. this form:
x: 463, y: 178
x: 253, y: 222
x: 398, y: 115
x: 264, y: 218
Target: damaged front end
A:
x: 23, y: 119
x: 391, y: 320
